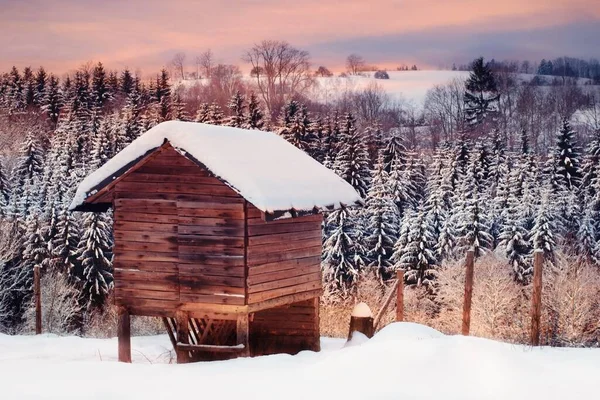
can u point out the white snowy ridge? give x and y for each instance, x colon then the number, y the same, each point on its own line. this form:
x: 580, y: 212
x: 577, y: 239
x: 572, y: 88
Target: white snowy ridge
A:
x: 262, y: 167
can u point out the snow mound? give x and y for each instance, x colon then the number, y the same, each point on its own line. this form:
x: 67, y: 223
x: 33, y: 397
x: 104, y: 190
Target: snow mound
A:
x: 262, y: 167
x: 358, y: 338
x: 361, y: 310
x: 406, y: 330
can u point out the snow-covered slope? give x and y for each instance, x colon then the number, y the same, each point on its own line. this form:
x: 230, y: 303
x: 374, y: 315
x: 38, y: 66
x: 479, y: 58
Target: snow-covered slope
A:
x: 403, y: 361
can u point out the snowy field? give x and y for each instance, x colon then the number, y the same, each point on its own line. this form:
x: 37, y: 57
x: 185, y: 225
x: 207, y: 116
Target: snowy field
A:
x: 403, y: 361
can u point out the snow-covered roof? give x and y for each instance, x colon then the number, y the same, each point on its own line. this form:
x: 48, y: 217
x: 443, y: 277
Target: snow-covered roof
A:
x: 262, y: 167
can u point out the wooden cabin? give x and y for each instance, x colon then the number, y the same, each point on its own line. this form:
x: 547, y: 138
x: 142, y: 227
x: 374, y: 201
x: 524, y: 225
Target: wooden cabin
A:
x: 218, y: 231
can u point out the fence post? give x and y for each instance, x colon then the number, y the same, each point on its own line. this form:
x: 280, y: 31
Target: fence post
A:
x: 361, y: 321
x: 183, y: 336
x: 466, y: 321
x: 536, y: 298
x: 400, y: 296
x: 37, y: 294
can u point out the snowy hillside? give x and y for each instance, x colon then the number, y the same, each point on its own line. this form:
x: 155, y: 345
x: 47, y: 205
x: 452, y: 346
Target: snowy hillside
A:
x: 403, y: 361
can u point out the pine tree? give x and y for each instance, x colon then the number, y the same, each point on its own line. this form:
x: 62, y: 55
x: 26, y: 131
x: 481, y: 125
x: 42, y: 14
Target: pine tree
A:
x: 127, y: 82
x: 214, y: 115
x: 545, y: 228
x: 4, y: 192
x: 566, y: 159
x: 341, y: 269
x: 178, y: 109
x: 237, y: 108
x: 514, y: 238
x: 352, y: 161
x: 15, y: 92
x: 35, y: 251
x: 383, y: 223
x: 41, y: 79
x: 394, y: 152
x: 132, y: 116
x: 255, y: 117
x: 65, y: 243
x: 415, y: 252
x: 100, y: 93
x: 52, y: 102
x: 586, y: 239
x: 471, y: 220
x: 95, y: 254
x: 202, y: 113
x: 481, y: 95
x: 29, y: 86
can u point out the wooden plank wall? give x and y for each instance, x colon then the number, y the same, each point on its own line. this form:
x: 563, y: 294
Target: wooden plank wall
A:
x: 179, y: 238
x: 284, y: 256
x: 287, y: 329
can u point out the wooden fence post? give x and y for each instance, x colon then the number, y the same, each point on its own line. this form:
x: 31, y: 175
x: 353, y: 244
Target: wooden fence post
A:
x: 361, y: 321
x: 466, y: 320
x: 124, y: 334
x: 536, y: 298
x: 183, y: 336
x: 400, y: 296
x: 37, y: 293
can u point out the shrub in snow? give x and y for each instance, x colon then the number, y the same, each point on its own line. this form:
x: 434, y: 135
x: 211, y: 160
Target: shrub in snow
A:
x: 381, y: 75
x: 60, y: 305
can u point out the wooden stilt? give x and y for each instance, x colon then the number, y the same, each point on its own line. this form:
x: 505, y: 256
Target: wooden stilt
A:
x: 183, y: 336
x: 536, y: 298
x: 37, y: 293
x: 243, y: 334
x: 466, y: 322
x: 124, y: 335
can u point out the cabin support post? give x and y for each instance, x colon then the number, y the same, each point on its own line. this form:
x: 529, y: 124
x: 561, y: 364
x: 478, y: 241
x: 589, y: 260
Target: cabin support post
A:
x: 361, y: 321
x: 124, y: 334
x: 183, y: 336
x: 243, y: 334
x: 536, y: 298
x: 400, y: 296
x: 466, y: 320
x: 37, y: 294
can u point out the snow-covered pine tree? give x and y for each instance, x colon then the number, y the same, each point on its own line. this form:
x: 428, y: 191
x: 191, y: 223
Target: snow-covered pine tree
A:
x: 35, y: 248
x: 237, y: 110
x: 95, y: 254
x: 566, y: 159
x: 41, y: 79
x: 481, y: 94
x: 53, y: 100
x: 297, y: 128
x: 352, y: 160
x: 471, y: 220
x: 214, y: 115
x: 545, y: 228
x: 202, y: 113
x: 65, y: 243
x: 416, y: 255
x: 100, y: 93
x: 394, y: 152
x: 4, y: 191
x: 132, y: 116
x: 341, y: 268
x: 446, y: 244
x: 514, y: 238
x: 401, y: 187
x: 178, y: 112
x: 383, y: 223
x: 586, y: 239
x: 255, y: 116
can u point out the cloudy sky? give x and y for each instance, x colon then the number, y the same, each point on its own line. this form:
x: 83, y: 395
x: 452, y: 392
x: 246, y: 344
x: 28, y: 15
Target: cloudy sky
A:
x: 144, y: 34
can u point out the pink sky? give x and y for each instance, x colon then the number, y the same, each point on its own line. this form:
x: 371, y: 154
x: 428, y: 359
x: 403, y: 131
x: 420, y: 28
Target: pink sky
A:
x: 145, y: 34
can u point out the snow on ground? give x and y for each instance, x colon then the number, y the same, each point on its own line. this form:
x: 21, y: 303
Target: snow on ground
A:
x: 403, y: 361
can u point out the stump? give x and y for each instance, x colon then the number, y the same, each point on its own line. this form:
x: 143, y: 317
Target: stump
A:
x: 361, y: 321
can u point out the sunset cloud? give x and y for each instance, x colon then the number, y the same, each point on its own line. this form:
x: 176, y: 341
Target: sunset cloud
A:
x: 146, y: 33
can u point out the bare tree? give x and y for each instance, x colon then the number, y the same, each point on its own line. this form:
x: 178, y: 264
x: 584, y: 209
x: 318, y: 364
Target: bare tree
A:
x: 323, y: 71
x: 355, y: 64
x: 206, y: 62
x: 281, y: 71
x: 177, y: 63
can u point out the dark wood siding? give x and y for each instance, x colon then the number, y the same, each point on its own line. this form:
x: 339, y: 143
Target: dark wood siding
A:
x: 284, y: 256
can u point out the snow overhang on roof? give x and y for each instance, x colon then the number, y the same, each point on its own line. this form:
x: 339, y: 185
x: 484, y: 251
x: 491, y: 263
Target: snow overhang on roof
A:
x: 272, y: 174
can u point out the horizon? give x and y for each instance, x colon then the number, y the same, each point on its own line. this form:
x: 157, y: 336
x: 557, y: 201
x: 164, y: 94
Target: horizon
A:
x: 145, y: 37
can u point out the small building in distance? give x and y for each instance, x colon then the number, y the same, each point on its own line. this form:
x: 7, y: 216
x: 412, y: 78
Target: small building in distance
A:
x: 218, y: 231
